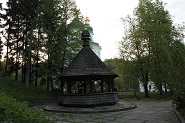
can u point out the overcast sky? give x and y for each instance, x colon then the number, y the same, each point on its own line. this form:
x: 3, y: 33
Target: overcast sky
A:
x: 105, y: 17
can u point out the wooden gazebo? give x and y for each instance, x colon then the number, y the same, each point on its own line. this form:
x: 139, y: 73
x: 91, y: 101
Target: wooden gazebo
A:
x: 83, y: 73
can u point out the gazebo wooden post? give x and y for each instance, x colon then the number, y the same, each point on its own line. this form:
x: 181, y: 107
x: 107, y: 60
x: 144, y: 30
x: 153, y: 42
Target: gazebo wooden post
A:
x: 62, y: 86
x: 85, y: 85
x: 69, y: 87
x: 112, y: 84
x: 78, y: 87
x: 102, y: 81
x: 109, y: 86
x: 91, y: 85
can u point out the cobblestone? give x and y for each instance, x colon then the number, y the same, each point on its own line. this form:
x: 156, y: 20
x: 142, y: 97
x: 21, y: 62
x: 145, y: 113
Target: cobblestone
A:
x: 146, y: 112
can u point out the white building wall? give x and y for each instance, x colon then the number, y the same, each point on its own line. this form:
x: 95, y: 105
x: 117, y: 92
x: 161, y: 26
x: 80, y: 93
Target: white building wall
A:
x: 96, y: 50
x: 151, y: 87
x: 95, y: 47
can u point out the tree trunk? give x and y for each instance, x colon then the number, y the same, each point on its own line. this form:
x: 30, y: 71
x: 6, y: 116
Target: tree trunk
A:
x: 165, y: 86
x: 28, y: 71
x: 52, y: 84
x: 17, y: 58
x: 37, y: 60
x: 24, y: 61
x: 135, y: 95
x: 6, y: 66
x: 16, y: 70
x: 17, y: 62
x: 171, y: 91
x: 146, y: 89
x: 146, y: 85
x: 36, y: 76
x: 161, y: 89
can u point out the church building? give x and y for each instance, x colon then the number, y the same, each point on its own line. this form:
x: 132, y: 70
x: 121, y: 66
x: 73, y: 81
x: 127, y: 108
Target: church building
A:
x: 94, y: 45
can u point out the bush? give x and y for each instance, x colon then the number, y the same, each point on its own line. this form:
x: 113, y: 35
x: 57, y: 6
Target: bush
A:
x: 179, y: 99
x: 12, y: 111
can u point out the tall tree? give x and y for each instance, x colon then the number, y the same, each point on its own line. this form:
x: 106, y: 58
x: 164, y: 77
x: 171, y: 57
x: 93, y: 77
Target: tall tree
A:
x: 177, y: 83
x: 19, y: 17
x: 177, y: 68
x: 156, y: 25
x: 1, y: 32
x: 40, y: 31
x: 147, y: 41
x: 134, y: 47
x: 62, y: 23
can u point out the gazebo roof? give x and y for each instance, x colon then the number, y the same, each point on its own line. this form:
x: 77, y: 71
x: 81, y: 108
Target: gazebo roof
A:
x: 87, y: 63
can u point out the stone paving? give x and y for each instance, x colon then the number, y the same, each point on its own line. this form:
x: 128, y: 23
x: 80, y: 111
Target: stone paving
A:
x: 146, y: 112
x: 119, y: 106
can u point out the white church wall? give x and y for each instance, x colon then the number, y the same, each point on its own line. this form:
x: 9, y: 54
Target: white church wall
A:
x: 151, y: 87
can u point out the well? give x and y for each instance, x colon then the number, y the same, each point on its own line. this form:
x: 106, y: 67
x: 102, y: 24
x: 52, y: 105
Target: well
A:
x: 85, y: 71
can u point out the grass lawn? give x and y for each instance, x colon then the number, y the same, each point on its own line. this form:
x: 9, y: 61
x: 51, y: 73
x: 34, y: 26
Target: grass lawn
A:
x: 19, y: 91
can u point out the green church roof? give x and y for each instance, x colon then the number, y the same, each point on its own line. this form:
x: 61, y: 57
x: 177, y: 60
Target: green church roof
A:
x: 89, y: 28
x: 93, y: 43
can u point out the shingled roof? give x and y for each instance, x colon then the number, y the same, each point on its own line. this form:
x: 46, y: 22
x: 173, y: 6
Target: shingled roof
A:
x: 87, y: 62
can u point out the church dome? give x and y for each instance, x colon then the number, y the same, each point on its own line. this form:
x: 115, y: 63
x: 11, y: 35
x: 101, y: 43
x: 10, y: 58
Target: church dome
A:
x: 94, y: 45
x: 87, y: 25
x: 89, y: 28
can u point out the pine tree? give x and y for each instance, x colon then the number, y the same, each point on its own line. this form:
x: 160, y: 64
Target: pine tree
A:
x: 19, y: 17
x: 1, y: 43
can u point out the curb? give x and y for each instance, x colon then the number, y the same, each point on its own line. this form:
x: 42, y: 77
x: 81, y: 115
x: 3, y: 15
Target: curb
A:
x: 95, y: 111
x: 179, y: 116
x: 55, y: 108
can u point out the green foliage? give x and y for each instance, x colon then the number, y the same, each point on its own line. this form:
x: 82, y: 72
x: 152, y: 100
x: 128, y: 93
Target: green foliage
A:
x: 116, y: 65
x: 127, y: 76
x: 178, y: 69
x: 16, y: 112
x: 155, y: 28
x: 110, y: 64
x: 1, y: 52
x: 179, y: 95
x: 179, y: 99
x: 153, y: 46
x: 40, y: 31
x: 61, y: 22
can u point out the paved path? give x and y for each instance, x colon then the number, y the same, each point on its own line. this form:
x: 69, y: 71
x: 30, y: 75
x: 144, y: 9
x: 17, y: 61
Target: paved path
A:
x: 146, y: 112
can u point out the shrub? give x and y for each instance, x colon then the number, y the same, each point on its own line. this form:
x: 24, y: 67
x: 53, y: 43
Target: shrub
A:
x: 179, y: 99
x: 12, y: 111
